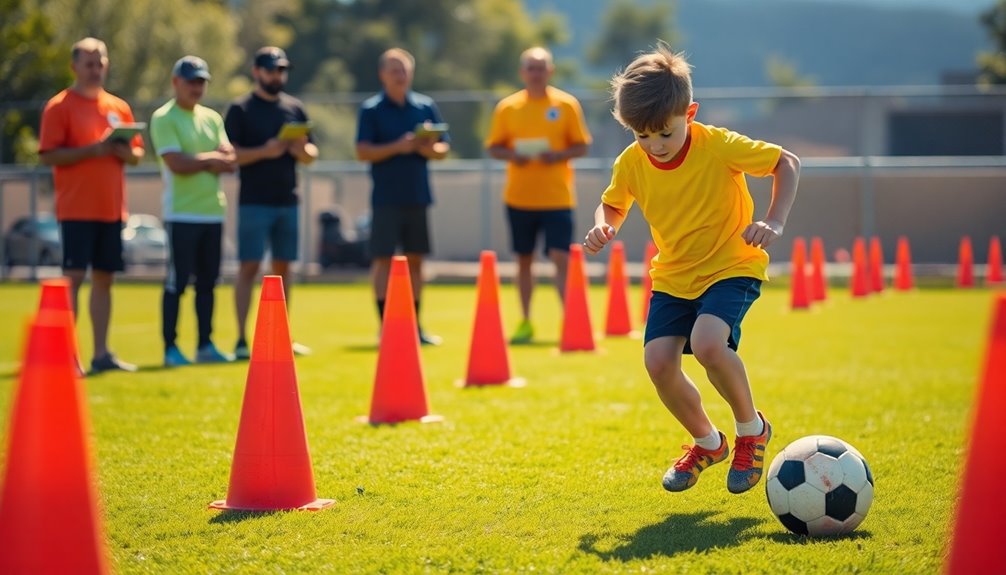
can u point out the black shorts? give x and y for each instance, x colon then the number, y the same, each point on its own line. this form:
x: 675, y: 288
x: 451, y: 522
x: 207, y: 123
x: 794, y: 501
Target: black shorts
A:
x: 525, y: 225
x: 97, y: 245
x: 392, y: 227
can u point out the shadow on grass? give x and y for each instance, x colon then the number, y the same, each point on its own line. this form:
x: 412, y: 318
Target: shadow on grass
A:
x: 361, y: 348
x: 796, y: 539
x: 678, y: 533
x: 234, y: 516
x: 158, y: 367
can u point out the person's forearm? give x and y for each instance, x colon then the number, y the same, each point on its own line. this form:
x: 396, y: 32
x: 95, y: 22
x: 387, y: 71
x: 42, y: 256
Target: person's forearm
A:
x: 308, y: 155
x: 247, y: 156
x: 136, y: 156
x: 185, y: 164
x: 437, y: 151
x: 67, y: 156
x: 575, y: 151
x: 368, y: 152
x: 784, y: 187
x: 608, y: 215
x: 501, y: 153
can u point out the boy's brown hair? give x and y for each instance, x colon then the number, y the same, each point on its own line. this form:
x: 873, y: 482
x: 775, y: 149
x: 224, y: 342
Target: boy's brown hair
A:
x: 654, y: 87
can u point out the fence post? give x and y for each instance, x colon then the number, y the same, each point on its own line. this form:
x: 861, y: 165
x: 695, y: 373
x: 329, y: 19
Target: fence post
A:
x: 305, y: 241
x: 33, y: 211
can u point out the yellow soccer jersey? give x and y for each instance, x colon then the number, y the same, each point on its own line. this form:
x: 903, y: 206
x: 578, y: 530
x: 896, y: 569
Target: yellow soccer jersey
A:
x: 557, y: 118
x: 697, y: 207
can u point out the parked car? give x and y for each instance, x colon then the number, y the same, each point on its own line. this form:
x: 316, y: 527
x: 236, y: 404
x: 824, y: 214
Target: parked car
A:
x: 33, y: 240
x: 144, y: 241
x: 341, y: 246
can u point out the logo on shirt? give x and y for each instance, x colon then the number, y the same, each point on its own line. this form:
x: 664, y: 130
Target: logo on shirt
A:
x: 113, y: 118
x: 552, y: 114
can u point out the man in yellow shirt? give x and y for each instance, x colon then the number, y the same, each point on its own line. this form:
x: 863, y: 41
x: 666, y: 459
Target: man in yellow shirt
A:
x: 538, y: 130
x: 689, y: 181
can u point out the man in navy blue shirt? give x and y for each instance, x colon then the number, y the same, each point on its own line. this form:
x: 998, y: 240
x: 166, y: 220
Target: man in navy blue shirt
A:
x: 401, y: 196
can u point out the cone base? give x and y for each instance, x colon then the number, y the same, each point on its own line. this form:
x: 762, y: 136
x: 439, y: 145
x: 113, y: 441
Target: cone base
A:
x: 512, y: 382
x: 316, y: 505
x: 424, y: 419
x: 633, y: 334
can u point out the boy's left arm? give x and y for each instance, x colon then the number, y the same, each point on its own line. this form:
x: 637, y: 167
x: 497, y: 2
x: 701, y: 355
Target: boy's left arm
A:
x: 786, y: 176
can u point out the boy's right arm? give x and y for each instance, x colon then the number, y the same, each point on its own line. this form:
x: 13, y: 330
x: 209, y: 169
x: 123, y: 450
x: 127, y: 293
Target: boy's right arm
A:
x: 607, y: 220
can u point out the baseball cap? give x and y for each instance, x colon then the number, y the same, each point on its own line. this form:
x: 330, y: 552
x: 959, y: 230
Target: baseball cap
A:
x: 191, y: 68
x: 271, y: 58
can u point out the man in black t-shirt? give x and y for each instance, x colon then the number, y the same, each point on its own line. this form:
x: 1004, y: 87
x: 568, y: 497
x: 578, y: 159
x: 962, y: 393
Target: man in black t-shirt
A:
x: 267, y: 203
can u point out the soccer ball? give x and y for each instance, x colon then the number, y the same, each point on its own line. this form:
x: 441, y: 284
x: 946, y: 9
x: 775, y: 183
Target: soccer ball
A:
x: 819, y: 485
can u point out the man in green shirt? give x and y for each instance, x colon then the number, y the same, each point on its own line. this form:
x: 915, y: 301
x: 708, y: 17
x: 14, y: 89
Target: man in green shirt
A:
x: 193, y: 150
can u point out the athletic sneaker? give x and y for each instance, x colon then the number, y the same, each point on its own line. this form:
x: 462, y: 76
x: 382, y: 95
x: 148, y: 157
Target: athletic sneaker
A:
x: 300, y: 349
x: 241, y: 351
x: 110, y: 363
x: 173, y: 357
x: 749, y: 459
x: 524, y: 333
x: 210, y: 354
x: 685, y: 472
x: 429, y: 338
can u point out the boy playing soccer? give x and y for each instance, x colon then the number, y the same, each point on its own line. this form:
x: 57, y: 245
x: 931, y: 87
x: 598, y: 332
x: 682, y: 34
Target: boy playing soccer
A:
x: 688, y: 179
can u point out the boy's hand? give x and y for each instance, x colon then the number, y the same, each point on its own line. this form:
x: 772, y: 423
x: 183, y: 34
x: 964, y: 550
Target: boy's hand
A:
x: 762, y: 233
x: 597, y: 238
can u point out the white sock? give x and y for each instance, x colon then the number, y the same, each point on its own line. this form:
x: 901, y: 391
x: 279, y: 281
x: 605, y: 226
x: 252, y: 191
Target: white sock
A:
x: 710, y: 442
x: 754, y: 427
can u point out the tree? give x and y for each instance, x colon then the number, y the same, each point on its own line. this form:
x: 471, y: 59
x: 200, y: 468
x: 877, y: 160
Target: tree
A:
x: 628, y: 29
x: 782, y: 73
x: 32, y: 67
x: 993, y: 64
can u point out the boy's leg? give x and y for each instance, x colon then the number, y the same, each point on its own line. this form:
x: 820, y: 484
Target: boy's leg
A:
x: 723, y: 366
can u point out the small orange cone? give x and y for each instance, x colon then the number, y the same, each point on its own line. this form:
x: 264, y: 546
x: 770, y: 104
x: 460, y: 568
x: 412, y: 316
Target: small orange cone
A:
x: 55, y: 296
x: 399, y: 388
x: 49, y: 516
x: 577, y: 334
x: 272, y: 467
x: 978, y: 531
x: 876, y: 265
x: 994, y: 271
x: 903, y: 266
x: 799, y: 292
x: 617, y: 321
x: 818, y: 283
x: 647, y: 281
x: 860, y: 280
x: 488, y: 359
x: 965, y: 264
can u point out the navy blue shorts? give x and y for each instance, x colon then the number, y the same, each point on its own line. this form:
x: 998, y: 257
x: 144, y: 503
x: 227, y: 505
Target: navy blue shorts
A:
x: 97, y: 245
x: 728, y: 299
x: 525, y: 226
x: 276, y: 224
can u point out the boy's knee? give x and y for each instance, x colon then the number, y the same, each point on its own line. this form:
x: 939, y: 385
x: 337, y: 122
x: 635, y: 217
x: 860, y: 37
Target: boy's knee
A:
x: 707, y: 350
x: 661, y: 366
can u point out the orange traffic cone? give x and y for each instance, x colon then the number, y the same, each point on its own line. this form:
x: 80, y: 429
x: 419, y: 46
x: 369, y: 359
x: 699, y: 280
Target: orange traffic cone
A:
x: 577, y: 334
x: 818, y: 283
x: 876, y: 265
x: 965, y: 264
x: 647, y: 281
x: 49, y: 516
x: 617, y: 322
x: 903, y: 266
x: 799, y: 294
x: 488, y: 359
x: 55, y: 296
x: 994, y: 271
x: 399, y: 388
x: 860, y: 281
x: 978, y: 532
x: 272, y: 467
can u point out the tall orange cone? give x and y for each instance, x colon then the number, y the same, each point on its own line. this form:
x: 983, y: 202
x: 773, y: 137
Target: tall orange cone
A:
x: 577, y: 334
x: 977, y: 545
x: 647, y: 281
x: 272, y: 467
x: 994, y: 271
x: 49, y: 516
x: 399, y: 388
x: 617, y: 321
x: 799, y: 292
x: 876, y: 265
x: 818, y: 283
x: 860, y: 279
x: 488, y: 359
x: 903, y: 266
x: 965, y: 264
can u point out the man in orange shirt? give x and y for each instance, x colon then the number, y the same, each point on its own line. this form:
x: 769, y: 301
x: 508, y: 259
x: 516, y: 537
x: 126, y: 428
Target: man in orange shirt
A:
x: 538, y: 130
x: 89, y: 179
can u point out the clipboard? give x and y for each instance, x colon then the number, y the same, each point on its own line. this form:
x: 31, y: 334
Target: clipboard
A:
x: 294, y: 130
x: 429, y: 130
x: 124, y: 132
x: 531, y: 147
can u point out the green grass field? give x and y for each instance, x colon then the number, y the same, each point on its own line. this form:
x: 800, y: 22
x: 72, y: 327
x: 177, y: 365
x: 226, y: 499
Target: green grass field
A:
x: 560, y: 476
